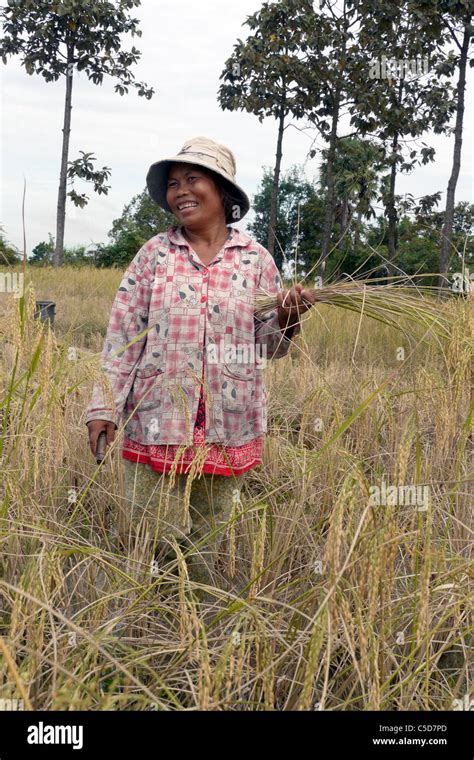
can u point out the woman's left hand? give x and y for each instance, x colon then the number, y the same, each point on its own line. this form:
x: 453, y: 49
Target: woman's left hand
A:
x: 292, y: 303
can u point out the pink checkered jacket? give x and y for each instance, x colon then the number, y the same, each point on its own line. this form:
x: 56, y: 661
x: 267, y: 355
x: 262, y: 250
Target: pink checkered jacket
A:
x: 190, y: 322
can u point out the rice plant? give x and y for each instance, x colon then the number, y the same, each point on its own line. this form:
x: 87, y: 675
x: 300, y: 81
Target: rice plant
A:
x: 335, y: 591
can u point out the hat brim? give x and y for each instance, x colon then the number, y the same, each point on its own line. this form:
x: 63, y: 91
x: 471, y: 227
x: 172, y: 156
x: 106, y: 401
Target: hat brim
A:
x: 157, y: 176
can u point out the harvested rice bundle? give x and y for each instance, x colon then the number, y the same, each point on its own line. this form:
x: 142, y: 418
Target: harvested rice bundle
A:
x: 394, y: 303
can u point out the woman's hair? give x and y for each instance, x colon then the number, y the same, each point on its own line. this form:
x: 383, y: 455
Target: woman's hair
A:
x: 229, y: 202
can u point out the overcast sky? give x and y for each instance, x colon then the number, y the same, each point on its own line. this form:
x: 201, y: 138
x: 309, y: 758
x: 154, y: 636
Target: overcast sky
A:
x: 184, y: 46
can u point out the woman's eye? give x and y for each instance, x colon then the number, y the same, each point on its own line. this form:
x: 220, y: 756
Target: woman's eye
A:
x: 173, y: 182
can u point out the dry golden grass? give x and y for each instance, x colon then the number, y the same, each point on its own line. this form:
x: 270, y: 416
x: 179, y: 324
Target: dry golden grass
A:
x: 345, y: 605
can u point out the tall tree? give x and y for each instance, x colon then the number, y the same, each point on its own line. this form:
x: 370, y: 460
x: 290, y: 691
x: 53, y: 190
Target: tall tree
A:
x: 419, y: 230
x: 333, y: 79
x: 90, y: 32
x: 409, y: 92
x: 458, y: 17
x: 294, y: 192
x: 263, y: 76
x: 356, y: 168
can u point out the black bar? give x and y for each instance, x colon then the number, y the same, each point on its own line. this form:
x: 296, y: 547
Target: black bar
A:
x: 314, y: 734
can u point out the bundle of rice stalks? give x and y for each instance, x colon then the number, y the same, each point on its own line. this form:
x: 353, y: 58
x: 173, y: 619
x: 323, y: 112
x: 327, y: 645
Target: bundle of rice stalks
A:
x: 401, y: 302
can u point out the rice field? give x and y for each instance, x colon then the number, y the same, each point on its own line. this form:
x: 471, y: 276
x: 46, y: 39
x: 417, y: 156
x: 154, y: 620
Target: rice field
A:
x: 351, y: 551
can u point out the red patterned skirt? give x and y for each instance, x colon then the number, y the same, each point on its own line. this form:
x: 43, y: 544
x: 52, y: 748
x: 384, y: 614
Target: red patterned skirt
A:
x: 220, y: 460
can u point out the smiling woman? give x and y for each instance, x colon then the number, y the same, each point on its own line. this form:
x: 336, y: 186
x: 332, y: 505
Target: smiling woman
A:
x: 230, y: 201
x: 194, y: 288
x: 195, y: 198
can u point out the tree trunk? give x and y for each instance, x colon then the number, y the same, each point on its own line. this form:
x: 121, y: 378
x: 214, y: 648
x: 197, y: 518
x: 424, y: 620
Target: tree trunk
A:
x: 344, y: 214
x: 331, y: 194
x: 392, y: 211
x: 447, y: 232
x: 58, y: 256
x: 358, y: 228
x: 276, y: 183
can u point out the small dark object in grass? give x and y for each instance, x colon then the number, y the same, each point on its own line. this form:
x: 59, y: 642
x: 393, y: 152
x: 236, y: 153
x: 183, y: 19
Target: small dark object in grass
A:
x: 45, y: 311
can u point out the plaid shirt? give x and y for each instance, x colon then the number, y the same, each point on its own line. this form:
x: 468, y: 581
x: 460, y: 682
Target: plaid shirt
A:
x: 184, y: 314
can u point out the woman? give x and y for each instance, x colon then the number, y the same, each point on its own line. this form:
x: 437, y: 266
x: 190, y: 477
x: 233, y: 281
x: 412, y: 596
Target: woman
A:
x: 182, y: 358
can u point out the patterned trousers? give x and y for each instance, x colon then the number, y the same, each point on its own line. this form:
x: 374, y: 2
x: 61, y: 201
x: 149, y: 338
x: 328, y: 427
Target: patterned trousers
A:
x: 160, y: 508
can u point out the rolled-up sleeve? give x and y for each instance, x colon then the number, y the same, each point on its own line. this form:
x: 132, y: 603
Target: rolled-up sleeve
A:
x: 268, y: 331
x: 121, y: 353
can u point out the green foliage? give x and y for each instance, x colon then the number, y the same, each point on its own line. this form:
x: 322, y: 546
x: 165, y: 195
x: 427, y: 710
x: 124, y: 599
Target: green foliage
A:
x: 419, y: 240
x: 9, y: 254
x: 293, y: 190
x: 263, y: 74
x: 37, y: 30
x: 84, y: 169
x: 42, y: 254
x: 363, y: 246
x: 78, y: 256
x: 141, y: 219
x: 90, y: 32
x: 311, y: 63
x: 356, y: 167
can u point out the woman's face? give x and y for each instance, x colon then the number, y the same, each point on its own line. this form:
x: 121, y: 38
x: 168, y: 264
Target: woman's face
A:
x: 193, y: 196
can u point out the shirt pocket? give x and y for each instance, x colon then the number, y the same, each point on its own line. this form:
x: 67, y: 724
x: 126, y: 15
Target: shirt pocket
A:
x: 147, y: 388
x: 239, y: 363
x: 237, y: 389
x: 239, y: 371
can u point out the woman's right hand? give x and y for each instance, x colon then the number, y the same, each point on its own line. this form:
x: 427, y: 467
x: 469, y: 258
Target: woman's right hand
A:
x: 95, y: 429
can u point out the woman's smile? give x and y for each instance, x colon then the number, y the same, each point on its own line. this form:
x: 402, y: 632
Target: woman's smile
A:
x: 186, y: 209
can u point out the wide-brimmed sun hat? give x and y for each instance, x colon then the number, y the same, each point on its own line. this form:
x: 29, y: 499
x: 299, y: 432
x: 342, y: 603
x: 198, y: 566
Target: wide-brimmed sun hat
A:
x: 213, y: 156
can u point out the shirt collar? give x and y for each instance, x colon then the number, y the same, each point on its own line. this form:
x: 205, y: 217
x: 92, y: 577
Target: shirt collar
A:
x: 236, y: 238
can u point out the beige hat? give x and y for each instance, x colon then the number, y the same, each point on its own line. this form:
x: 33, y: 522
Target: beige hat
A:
x: 213, y: 156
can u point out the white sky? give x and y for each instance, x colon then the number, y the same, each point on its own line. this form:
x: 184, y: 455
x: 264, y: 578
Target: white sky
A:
x: 184, y: 47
